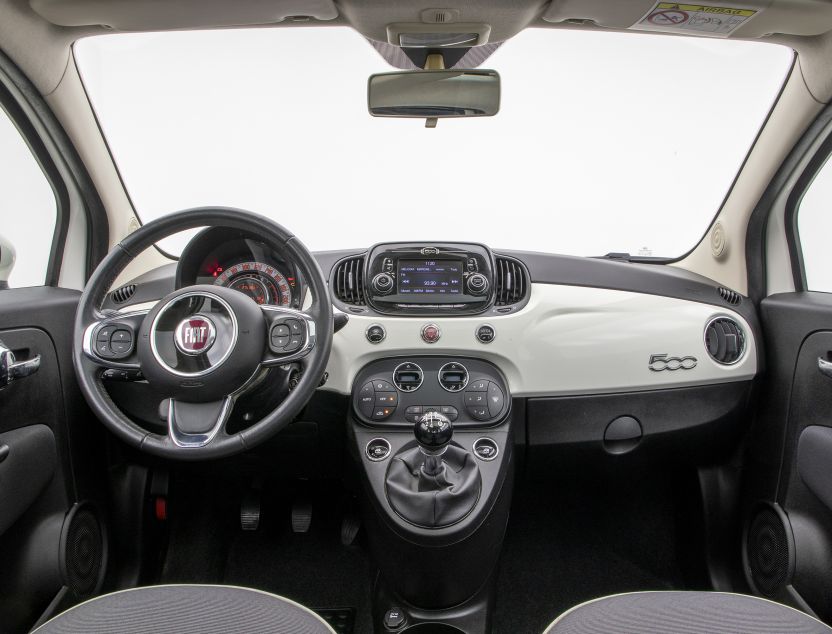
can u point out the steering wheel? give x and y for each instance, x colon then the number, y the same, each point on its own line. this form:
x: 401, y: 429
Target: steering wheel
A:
x: 201, y: 346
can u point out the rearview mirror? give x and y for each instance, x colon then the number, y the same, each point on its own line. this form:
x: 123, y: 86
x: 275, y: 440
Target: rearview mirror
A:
x: 434, y: 94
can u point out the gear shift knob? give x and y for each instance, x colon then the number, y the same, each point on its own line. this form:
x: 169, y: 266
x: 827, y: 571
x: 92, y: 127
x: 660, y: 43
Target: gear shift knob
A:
x: 433, y: 432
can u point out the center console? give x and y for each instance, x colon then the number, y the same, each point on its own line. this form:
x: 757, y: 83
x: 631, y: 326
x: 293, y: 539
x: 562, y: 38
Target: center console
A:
x: 415, y: 279
x: 433, y: 436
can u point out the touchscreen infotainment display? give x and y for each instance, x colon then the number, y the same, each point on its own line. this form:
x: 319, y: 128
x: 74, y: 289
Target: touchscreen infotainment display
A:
x: 430, y: 277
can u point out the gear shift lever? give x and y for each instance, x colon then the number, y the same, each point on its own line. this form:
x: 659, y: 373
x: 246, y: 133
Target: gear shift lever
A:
x: 433, y: 433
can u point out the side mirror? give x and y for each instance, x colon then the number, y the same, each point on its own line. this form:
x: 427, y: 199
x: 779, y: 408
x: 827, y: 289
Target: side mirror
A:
x: 434, y: 94
x: 7, y: 258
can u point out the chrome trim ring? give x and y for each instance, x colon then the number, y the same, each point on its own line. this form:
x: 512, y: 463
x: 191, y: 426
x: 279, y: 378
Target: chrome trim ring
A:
x: 225, y: 355
x: 421, y: 374
x: 464, y: 385
x: 490, y: 440
x: 741, y: 329
x: 386, y: 456
x: 477, y: 333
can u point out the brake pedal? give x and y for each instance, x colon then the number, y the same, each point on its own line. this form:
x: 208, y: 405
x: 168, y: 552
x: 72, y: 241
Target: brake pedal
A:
x: 250, y: 511
x: 301, y: 516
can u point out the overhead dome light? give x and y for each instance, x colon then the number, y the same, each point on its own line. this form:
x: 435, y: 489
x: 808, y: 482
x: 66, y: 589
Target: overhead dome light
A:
x: 438, y: 40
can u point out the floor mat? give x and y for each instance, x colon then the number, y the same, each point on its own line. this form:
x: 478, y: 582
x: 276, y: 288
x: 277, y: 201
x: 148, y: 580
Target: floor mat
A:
x: 566, y: 548
x: 312, y: 568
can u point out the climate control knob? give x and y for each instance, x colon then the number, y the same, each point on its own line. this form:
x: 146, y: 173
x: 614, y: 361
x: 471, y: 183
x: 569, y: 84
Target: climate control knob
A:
x: 477, y: 284
x: 383, y: 283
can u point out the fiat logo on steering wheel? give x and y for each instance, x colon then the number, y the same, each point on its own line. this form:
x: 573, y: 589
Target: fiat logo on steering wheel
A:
x: 195, y: 335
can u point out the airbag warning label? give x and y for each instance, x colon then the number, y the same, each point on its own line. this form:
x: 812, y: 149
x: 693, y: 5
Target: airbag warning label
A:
x: 695, y: 18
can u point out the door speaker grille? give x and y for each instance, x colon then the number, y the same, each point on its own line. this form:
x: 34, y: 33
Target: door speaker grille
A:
x: 769, y: 550
x: 83, y: 550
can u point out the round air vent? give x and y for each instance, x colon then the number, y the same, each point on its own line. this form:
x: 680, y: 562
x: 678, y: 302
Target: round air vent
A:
x: 408, y: 376
x: 724, y: 340
x: 453, y: 377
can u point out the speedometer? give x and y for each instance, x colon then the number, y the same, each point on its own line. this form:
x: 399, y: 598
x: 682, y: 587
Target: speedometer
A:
x: 262, y: 282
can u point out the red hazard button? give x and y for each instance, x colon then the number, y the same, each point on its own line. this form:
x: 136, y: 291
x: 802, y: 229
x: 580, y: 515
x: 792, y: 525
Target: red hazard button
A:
x: 431, y: 333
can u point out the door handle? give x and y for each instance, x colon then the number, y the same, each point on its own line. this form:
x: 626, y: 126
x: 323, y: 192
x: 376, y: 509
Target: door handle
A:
x: 825, y: 367
x: 11, y: 369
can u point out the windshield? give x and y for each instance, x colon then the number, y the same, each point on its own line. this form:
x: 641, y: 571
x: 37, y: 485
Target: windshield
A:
x: 604, y: 142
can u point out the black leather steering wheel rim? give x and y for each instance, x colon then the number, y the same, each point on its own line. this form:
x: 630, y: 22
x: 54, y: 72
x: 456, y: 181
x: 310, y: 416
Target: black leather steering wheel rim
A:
x: 89, y: 311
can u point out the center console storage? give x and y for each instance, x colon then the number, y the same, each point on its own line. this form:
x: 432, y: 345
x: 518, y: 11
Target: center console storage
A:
x: 433, y: 437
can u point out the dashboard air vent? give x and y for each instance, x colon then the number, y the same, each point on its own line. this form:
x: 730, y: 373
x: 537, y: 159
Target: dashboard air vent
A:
x: 732, y: 297
x: 510, y: 282
x: 725, y: 340
x: 121, y: 295
x: 408, y: 376
x: 348, y: 281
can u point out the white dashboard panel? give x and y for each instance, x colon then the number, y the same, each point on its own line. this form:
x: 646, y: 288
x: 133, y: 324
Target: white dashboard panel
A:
x: 567, y: 340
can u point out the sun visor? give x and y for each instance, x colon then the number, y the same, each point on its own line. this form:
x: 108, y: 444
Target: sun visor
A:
x: 152, y: 15
x: 739, y: 18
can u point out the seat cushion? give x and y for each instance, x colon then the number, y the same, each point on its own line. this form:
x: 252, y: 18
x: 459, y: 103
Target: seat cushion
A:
x: 684, y: 613
x: 187, y: 608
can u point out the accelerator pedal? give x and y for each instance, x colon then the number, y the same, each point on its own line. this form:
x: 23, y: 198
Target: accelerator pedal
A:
x: 250, y: 510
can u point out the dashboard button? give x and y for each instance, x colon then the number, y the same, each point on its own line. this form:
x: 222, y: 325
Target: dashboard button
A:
x: 480, y: 413
x: 486, y: 449
x: 366, y: 405
x: 387, y: 399
x: 451, y: 412
x: 478, y: 386
x: 378, y: 449
x: 485, y: 333
x: 367, y: 389
x: 383, y: 386
x: 477, y: 399
x: 381, y: 413
x: 431, y: 333
x: 376, y: 333
x: 495, y: 399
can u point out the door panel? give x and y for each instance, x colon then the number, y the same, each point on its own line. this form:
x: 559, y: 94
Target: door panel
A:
x: 792, y: 443
x: 48, y: 430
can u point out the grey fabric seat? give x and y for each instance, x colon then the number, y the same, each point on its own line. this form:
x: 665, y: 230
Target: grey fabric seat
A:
x: 684, y: 613
x: 187, y: 608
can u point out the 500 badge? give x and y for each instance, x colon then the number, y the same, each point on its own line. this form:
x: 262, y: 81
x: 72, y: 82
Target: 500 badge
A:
x: 661, y: 362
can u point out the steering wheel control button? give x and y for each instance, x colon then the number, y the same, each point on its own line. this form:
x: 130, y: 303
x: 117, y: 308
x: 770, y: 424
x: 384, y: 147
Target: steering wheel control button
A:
x: 376, y: 333
x: 378, y: 449
x: 431, y: 333
x: 486, y: 449
x: 394, y: 619
x: 280, y: 330
x: 295, y: 327
x: 295, y: 343
x: 485, y: 333
x: 104, y: 333
x: 102, y: 349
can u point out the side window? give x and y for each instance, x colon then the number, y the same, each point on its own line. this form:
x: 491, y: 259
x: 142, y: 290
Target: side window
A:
x: 814, y: 227
x: 28, y: 212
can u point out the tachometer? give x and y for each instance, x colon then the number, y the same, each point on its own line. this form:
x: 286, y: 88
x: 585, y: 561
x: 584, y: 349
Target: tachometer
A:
x: 262, y: 282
